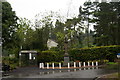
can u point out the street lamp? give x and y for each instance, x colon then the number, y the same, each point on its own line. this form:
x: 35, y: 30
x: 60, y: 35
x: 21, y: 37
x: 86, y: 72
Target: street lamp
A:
x: 118, y: 56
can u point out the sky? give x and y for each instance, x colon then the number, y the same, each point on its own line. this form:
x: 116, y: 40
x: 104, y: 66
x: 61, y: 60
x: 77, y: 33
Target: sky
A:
x: 29, y: 8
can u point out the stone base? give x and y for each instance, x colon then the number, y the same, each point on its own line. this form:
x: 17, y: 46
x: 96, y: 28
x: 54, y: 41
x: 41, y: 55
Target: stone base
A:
x: 66, y: 60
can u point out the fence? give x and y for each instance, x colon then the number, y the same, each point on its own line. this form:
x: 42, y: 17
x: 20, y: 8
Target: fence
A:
x: 70, y: 65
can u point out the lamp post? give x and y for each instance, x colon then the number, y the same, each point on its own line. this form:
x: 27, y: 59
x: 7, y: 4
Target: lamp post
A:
x: 118, y: 56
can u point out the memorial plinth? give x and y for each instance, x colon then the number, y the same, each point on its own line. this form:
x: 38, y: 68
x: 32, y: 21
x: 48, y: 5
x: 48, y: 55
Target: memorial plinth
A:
x: 66, y: 55
x: 66, y: 60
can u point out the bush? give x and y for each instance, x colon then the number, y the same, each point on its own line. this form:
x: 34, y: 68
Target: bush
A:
x: 50, y: 56
x: 95, y: 53
x: 111, y: 63
x: 11, y: 62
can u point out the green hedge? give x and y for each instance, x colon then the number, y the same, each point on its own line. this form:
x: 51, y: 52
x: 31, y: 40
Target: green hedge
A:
x: 95, y: 53
x: 50, y: 56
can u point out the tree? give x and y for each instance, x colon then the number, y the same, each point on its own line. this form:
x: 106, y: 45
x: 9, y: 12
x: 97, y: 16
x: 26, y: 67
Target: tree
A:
x: 9, y: 21
x: 22, y: 32
x: 104, y: 17
x: 107, y: 24
x: 86, y: 12
x: 10, y: 46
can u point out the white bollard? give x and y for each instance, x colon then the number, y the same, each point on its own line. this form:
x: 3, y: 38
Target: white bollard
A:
x: 40, y: 65
x: 60, y: 65
x: 74, y: 64
x: 88, y: 63
x: 47, y: 65
x: 84, y: 64
x: 53, y: 65
x: 68, y: 65
x: 92, y: 63
x: 96, y: 63
x: 79, y: 64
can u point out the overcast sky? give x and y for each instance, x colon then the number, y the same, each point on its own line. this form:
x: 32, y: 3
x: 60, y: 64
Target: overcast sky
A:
x: 29, y: 8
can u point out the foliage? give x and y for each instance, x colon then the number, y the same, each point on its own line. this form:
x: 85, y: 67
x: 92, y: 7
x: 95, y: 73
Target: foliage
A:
x: 9, y: 20
x: 109, y: 63
x: 9, y: 38
x: 95, y: 53
x: 50, y: 56
x: 12, y: 62
x: 31, y: 38
x: 104, y: 16
x: 112, y: 65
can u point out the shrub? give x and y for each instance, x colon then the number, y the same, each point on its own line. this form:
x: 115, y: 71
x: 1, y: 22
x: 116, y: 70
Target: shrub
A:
x: 95, y: 53
x: 50, y: 56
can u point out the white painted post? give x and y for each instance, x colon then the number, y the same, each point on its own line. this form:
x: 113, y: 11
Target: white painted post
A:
x: 60, y: 65
x: 20, y: 59
x: 84, y: 64
x: 96, y: 63
x: 79, y: 64
x: 74, y: 64
x: 88, y: 63
x: 34, y: 58
x: 47, y: 65
x: 40, y: 65
x: 30, y: 56
x: 92, y: 63
x: 53, y: 65
x: 68, y: 65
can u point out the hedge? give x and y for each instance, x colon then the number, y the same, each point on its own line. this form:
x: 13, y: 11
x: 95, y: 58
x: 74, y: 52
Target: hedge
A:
x: 50, y: 56
x: 95, y: 53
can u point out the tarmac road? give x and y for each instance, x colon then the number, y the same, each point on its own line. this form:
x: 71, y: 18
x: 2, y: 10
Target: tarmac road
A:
x: 84, y: 73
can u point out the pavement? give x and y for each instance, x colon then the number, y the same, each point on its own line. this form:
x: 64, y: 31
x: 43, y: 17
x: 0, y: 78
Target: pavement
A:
x: 81, y: 73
